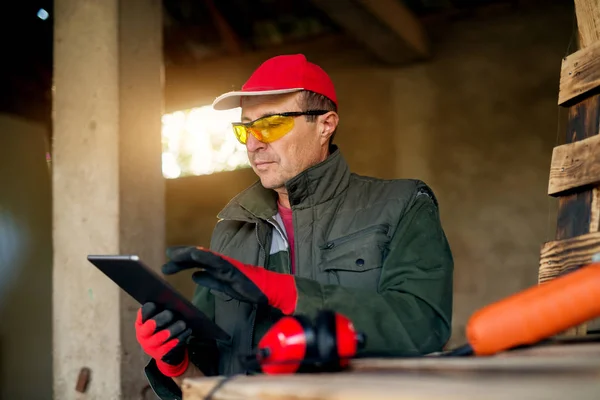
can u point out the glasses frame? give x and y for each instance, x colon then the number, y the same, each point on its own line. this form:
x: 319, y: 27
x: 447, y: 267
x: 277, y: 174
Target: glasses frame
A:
x: 283, y: 114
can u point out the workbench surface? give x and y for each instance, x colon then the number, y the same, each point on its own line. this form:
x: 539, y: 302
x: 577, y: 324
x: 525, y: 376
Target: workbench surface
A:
x: 565, y: 371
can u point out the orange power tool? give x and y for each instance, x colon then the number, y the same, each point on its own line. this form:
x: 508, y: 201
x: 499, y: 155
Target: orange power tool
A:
x: 537, y: 313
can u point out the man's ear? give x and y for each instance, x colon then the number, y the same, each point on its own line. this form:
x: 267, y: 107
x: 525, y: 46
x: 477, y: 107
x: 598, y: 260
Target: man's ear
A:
x: 328, y: 124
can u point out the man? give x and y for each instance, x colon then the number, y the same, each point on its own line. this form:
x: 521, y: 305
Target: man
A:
x: 310, y: 235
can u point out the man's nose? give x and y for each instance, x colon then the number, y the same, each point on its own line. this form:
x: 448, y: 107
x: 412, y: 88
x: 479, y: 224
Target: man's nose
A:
x: 253, y: 144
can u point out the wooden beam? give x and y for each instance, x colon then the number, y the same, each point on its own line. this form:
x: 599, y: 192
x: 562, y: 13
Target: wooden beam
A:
x: 575, y: 165
x: 588, y: 21
x: 386, y: 27
x: 228, y: 37
x: 580, y: 73
x: 400, y: 20
x: 574, y: 210
x: 574, y: 215
x: 560, y: 256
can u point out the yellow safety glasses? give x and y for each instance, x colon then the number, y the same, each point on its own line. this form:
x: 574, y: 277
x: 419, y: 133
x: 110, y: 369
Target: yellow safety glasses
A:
x: 269, y: 128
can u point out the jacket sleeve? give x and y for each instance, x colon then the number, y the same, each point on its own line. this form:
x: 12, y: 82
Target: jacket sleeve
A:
x: 411, y: 311
x: 202, y: 354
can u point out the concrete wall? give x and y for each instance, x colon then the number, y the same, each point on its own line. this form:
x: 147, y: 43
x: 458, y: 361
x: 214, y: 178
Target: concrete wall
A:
x: 25, y: 262
x: 477, y: 122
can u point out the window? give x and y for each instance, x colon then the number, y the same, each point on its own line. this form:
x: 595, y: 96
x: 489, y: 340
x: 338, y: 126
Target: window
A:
x: 200, y: 141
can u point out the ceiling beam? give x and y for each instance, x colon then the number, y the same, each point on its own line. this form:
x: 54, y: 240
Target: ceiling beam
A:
x: 386, y: 27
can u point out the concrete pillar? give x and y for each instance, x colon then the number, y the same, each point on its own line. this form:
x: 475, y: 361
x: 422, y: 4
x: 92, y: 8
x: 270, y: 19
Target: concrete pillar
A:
x: 108, y: 190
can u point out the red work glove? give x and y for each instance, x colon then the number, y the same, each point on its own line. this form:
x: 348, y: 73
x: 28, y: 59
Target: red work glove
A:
x: 163, y: 338
x: 243, y: 282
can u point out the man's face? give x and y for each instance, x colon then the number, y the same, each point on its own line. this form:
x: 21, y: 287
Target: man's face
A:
x: 277, y: 162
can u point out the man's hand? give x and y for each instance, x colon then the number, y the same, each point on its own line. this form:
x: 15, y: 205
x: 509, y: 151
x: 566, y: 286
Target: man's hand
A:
x: 163, y: 338
x: 243, y: 282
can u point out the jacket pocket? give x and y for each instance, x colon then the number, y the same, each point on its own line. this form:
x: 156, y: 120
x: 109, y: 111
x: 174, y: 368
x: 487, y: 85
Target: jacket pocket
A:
x: 355, y: 260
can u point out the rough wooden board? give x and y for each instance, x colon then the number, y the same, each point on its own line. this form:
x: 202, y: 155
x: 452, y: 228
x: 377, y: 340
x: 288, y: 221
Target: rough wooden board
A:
x: 580, y: 73
x: 560, y: 255
x: 588, y: 21
x: 585, y: 360
x: 399, y: 386
x: 553, y: 371
x: 575, y: 165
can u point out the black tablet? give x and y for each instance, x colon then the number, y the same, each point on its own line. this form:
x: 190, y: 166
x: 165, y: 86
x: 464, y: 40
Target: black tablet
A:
x: 145, y: 285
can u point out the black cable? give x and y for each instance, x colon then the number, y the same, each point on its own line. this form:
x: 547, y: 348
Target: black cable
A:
x: 462, y: 351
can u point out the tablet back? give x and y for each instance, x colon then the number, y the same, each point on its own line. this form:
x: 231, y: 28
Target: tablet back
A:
x: 145, y: 285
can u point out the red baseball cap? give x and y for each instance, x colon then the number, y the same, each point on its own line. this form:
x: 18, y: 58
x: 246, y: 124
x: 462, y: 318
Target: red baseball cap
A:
x: 278, y: 75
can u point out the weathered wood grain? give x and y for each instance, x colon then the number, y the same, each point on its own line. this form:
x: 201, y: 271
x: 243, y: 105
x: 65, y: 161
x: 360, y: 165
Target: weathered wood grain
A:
x: 560, y: 256
x: 579, y: 74
x: 575, y: 165
x: 588, y: 21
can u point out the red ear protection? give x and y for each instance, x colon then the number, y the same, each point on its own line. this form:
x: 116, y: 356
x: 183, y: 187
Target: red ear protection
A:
x: 293, y: 344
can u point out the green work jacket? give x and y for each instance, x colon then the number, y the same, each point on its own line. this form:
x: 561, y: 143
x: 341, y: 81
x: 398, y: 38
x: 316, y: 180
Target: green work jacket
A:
x: 371, y: 249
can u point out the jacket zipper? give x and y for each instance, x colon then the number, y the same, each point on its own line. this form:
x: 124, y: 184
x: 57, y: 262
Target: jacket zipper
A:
x: 254, y: 307
x: 276, y: 226
x: 337, y: 242
x: 296, y: 263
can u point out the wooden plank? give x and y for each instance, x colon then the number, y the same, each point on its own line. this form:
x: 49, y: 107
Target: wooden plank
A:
x: 575, y: 165
x: 559, y: 256
x: 490, y: 378
x: 580, y: 73
x: 393, y: 44
x: 570, y: 367
x: 406, y: 386
x: 588, y: 21
x: 543, y: 358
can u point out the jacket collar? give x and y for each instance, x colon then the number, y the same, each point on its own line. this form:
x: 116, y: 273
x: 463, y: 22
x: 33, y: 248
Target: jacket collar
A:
x: 313, y: 186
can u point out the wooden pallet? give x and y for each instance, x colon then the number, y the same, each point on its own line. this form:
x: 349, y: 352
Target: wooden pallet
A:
x: 575, y: 167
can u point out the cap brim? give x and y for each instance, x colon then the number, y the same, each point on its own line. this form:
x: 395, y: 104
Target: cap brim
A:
x: 231, y: 100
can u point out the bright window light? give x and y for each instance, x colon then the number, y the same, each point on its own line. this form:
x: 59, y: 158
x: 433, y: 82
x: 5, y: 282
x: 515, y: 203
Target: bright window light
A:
x: 200, y: 141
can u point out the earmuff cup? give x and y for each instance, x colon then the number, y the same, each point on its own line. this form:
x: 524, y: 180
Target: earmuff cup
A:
x: 297, y: 344
x: 326, y: 339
